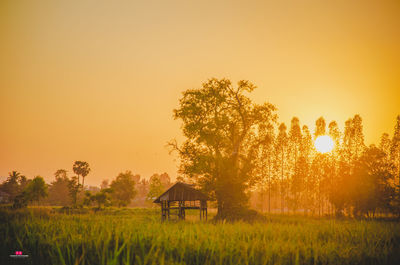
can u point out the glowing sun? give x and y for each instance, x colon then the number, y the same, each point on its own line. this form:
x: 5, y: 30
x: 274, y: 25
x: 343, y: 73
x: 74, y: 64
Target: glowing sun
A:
x: 324, y: 144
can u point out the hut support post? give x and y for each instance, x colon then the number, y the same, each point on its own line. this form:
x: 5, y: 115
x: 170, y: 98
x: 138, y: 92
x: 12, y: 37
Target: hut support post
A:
x: 168, y: 210
x: 163, y: 210
x: 182, y: 210
x: 201, y: 209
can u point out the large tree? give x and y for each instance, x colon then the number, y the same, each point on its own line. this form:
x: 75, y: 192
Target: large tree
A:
x: 220, y: 123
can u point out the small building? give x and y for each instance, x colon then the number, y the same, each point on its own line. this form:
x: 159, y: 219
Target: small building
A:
x: 180, y: 197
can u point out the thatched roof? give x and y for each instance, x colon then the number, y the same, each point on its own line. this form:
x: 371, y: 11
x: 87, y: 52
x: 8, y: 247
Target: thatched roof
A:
x: 181, y: 192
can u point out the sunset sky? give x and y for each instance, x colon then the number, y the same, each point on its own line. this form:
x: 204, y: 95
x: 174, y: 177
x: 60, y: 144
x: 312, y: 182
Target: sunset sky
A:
x: 98, y: 80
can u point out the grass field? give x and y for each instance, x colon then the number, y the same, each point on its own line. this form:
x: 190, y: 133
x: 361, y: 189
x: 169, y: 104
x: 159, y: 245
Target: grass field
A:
x: 136, y: 236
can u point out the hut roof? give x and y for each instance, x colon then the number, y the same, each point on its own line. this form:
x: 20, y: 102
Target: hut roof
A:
x: 181, y: 192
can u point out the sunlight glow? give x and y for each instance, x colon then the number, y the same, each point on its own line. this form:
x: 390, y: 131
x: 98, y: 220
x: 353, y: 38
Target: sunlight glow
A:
x: 324, y: 144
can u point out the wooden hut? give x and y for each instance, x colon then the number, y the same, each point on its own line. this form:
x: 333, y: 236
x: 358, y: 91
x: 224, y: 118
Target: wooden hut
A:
x: 178, y: 198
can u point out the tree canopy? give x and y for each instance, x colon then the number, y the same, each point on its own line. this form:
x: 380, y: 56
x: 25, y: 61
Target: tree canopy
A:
x: 223, y: 128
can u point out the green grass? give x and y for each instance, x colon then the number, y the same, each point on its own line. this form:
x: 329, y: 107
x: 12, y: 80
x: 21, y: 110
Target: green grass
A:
x: 136, y: 236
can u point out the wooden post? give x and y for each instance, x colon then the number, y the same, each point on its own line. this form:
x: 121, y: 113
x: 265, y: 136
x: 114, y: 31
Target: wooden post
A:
x: 168, y: 209
x: 163, y: 209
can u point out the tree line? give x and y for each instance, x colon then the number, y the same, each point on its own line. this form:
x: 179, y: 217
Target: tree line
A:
x: 71, y: 192
x: 235, y: 149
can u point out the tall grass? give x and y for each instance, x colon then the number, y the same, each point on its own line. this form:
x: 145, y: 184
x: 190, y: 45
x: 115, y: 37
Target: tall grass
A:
x: 138, y: 237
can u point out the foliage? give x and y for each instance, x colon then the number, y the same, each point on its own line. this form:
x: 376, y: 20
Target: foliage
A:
x: 81, y: 168
x: 123, y: 188
x: 220, y: 123
x: 14, y: 184
x: 74, y: 187
x: 33, y: 191
x: 156, y: 188
x: 58, y: 189
x: 101, y: 198
x: 36, y: 189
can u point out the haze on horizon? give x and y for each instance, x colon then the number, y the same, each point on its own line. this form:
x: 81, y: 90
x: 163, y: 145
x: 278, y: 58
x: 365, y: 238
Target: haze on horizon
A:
x: 98, y: 80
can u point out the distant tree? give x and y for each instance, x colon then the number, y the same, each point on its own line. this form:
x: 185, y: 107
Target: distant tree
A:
x: 123, y: 188
x: 334, y: 133
x: 156, y: 187
x: 318, y: 166
x: 395, y: 158
x: 74, y: 187
x: 281, y: 160
x: 306, y: 152
x: 165, y: 180
x: 81, y: 168
x: 385, y: 144
x: 320, y: 127
x: 102, y: 198
x: 347, y: 146
x: 104, y: 184
x: 333, y: 178
x: 298, y: 184
x: 136, y: 178
x: 61, y: 174
x: 358, y: 135
x: 88, y: 199
x: 36, y: 189
x: 220, y: 123
x: 58, y: 189
x: 14, y: 184
x: 294, y: 143
x: 265, y: 162
x: 21, y: 200
x: 371, y: 189
x: 395, y: 149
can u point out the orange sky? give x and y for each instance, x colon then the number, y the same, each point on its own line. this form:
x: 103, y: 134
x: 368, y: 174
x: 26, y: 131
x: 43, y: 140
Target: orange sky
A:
x: 97, y: 80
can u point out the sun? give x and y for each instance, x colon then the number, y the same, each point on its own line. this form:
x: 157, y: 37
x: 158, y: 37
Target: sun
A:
x: 324, y: 144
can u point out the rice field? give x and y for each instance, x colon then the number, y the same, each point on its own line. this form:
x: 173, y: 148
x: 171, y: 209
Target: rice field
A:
x: 136, y: 236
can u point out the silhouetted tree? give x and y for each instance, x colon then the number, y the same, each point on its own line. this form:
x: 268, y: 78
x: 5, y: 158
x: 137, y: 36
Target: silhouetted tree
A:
x: 81, y: 168
x: 220, y: 124
x: 371, y: 189
x: 281, y: 159
x: 395, y: 149
x: 395, y: 158
x: 14, y: 184
x: 320, y: 127
x: 385, y: 144
x: 294, y: 143
x: 307, y: 152
x: 265, y: 162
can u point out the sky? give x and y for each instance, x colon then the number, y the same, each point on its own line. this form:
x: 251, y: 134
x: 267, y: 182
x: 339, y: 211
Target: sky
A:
x: 98, y: 80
